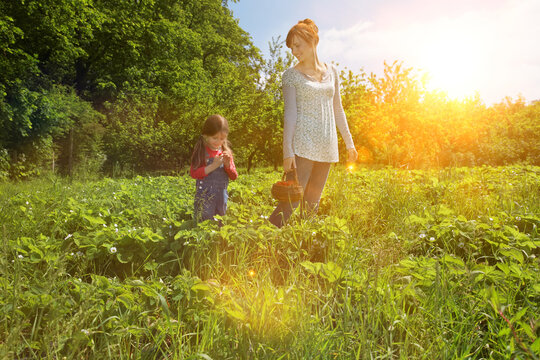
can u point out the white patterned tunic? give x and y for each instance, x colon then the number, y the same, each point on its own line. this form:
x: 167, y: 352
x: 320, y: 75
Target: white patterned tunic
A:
x: 312, y: 111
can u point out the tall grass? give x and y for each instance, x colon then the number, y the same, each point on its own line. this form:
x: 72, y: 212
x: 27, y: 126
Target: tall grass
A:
x: 398, y: 264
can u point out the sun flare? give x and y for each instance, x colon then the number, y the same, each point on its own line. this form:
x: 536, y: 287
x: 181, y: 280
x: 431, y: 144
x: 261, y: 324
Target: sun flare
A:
x: 455, y: 59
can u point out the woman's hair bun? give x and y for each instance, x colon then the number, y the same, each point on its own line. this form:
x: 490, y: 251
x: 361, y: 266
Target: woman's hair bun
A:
x: 311, y: 24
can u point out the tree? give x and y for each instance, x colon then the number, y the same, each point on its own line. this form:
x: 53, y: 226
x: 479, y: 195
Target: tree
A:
x: 174, y: 62
x: 398, y: 132
x: 357, y: 101
x: 512, y: 133
x: 262, y: 121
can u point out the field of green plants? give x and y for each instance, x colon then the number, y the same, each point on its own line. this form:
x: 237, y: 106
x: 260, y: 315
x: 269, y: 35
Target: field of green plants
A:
x: 398, y: 264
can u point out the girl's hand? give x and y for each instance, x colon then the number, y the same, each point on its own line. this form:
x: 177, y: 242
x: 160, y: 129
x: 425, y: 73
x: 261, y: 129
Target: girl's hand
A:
x: 218, y: 160
x: 288, y: 164
x: 353, y: 155
x: 227, y: 156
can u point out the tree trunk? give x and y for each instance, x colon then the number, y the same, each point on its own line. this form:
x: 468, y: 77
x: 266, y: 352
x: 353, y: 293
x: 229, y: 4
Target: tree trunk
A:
x: 250, y: 159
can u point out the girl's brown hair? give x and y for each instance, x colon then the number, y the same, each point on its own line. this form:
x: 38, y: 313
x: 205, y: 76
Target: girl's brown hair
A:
x: 213, y: 125
x: 306, y: 29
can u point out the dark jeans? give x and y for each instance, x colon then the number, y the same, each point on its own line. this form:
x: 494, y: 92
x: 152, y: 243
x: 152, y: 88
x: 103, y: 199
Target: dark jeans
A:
x: 210, y: 201
x: 312, y: 176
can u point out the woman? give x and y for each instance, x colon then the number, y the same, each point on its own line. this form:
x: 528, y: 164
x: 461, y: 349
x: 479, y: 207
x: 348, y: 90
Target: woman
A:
x: 312, y: 111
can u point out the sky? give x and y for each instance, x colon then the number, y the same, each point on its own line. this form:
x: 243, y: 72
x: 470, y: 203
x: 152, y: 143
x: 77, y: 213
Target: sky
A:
x: 488, y: 47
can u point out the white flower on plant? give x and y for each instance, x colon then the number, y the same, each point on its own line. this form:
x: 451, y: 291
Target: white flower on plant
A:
x: 72, y: 254
x: 164, y: 219
x: 85, y: 332
x: 490, y: 219
x: 27, y: 203
x: 314, y: 233
x: 518, y: 218
x: 68, y: 236
x: 20, y: 256
x: 422, y: 235
x: 115, y: 225
x: 116, y: 229
x: 432, y: 239
x: 112, y: 250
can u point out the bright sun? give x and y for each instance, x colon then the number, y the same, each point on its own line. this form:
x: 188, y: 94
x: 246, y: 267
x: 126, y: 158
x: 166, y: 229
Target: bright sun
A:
x: 456, y: 60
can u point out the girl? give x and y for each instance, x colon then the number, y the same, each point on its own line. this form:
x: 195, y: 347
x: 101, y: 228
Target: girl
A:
x: 212, y: 165
x: 312, y: 111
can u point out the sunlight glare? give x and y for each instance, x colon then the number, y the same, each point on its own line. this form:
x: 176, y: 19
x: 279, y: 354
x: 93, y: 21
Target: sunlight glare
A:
x: 456, y: 59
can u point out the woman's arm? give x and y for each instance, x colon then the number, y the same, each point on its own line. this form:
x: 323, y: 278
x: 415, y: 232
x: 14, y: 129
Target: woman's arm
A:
x: 341, y: 120
x: 289, y: 125
x: 339, y: 113
x: 289, y: 122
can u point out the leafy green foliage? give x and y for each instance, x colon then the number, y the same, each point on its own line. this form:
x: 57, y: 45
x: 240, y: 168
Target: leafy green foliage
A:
x: 415, y: 263
x: 124, y: 86
x: 154, y: 69
x: 396, y: 121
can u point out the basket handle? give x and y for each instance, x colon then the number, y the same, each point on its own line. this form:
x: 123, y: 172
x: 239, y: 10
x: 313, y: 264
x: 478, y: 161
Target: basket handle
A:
x: 293, y: 169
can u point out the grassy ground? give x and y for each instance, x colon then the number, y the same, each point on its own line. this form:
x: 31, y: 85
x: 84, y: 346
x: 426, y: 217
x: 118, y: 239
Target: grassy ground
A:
x: 435, y: 264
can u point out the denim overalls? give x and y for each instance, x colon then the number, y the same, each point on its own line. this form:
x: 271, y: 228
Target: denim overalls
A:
x: 211, y: 196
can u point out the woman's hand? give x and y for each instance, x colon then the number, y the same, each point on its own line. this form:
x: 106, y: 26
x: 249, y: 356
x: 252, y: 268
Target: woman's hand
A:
x: 288, y: 164
x: 353, y: 155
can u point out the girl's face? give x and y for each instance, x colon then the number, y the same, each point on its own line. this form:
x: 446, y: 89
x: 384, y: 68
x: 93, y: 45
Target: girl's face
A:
x: 302, y: 49
x: 215, y: 141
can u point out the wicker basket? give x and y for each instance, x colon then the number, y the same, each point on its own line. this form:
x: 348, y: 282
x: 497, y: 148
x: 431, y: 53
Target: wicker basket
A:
x: 288, y: 191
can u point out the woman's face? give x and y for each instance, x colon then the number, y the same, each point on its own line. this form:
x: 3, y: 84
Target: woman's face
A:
x: 215, y: 141
x: 301, y: 49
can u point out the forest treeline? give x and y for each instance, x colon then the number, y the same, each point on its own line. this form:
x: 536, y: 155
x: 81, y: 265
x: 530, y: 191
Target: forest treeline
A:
x: 123, y: 86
